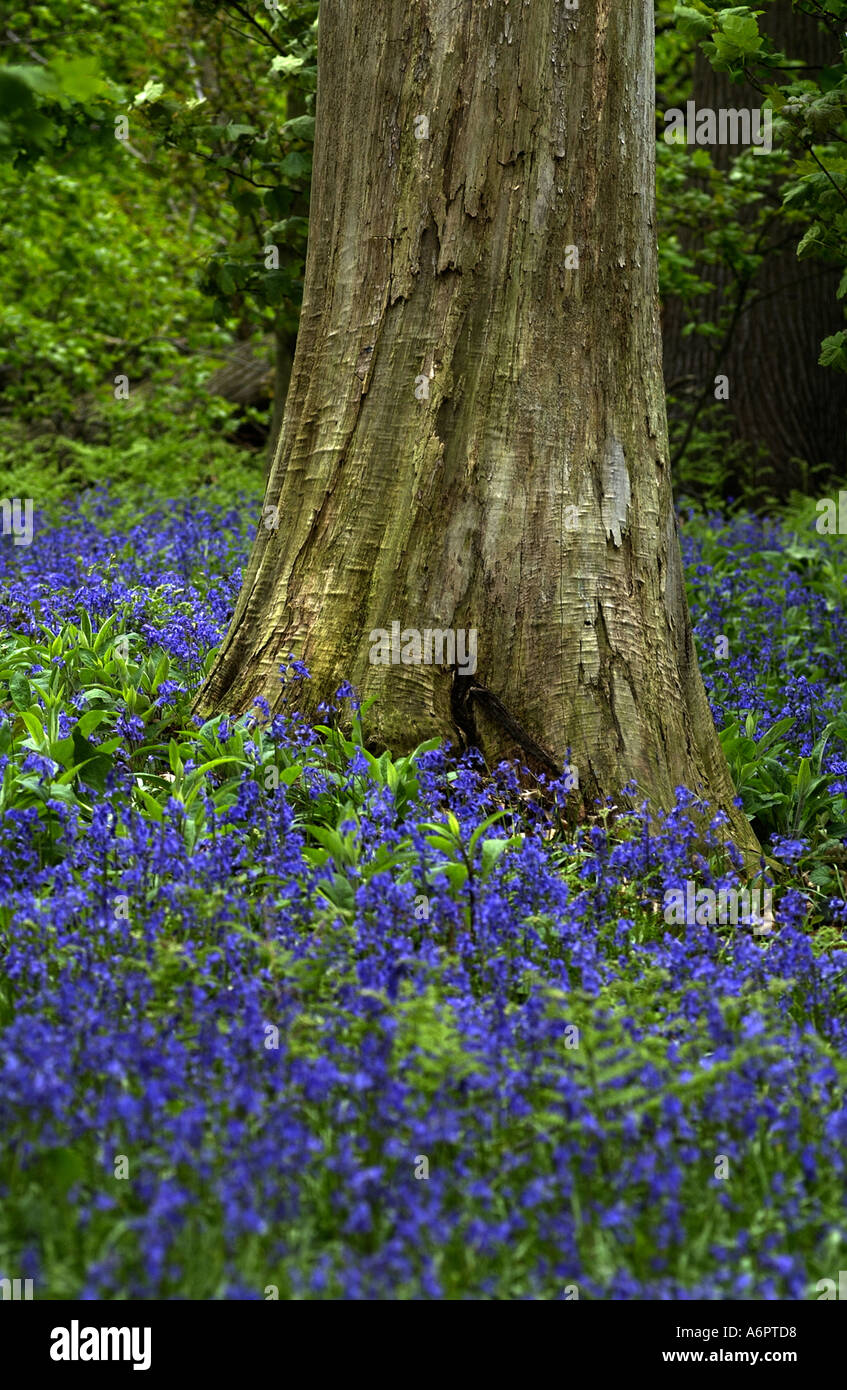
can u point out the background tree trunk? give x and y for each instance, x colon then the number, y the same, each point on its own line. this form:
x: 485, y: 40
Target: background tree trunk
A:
x: 780, y: 399
x: 527, y: 494
x: 285, y: 335
x: 284, y: 346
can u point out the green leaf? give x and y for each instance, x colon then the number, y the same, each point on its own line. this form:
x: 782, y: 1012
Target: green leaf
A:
x: 315, y: 855
x: 810, y: 241
x: 153, y: 807
x: 481, y: 829
x: 804, y: 777
x: 200, y: 772
x: 338, y: 891
x: 300, y: 128
x: 330, y: 839
x: 456, y: 874
x: 90, y: 721
x: 79, y: 78
x: 287, y: 63
x: 34, y: 726
x: 834, y: 351
x: 296, y: 164
x: 775, y: 731
x: 64, y: 1166
x: 692, y: 23
x: 492, y: 850
x: 741, y: 31
x: 150, y: 92
x: 442, y: 842
x: 19, y: 690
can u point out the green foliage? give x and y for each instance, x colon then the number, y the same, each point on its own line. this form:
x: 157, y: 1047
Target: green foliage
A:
x: 145, y: 256
x: 47, y: 107
x: 810, y: 128
x: 736, y: 217
x: 781, y: 795
x: 647, y: 1044
x: 97, y: 280
x: 246, y: 146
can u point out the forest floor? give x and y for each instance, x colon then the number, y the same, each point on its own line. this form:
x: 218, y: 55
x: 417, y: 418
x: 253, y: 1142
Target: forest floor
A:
x: 278, y: 1018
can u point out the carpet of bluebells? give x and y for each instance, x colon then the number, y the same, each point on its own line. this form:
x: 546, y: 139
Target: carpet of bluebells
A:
x: 282, y: 1018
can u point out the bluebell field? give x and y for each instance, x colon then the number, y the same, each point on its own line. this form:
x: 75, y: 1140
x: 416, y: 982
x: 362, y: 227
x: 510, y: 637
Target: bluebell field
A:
x: 282, y: 1018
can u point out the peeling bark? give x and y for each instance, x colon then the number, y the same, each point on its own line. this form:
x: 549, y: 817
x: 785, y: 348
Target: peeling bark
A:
x: 475, y: 432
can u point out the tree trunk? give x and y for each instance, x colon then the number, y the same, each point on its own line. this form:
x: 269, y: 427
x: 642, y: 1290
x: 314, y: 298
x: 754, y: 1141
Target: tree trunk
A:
x: 283, y: 361
x: 475, y: 433
x: 779, y: 397
x: 285, y: 336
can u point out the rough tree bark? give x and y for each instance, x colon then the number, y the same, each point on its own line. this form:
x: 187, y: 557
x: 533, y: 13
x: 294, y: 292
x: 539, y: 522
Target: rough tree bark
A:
x: 779, y: 397
x: 475, y: 432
